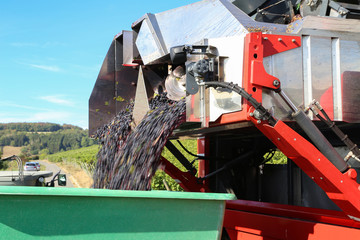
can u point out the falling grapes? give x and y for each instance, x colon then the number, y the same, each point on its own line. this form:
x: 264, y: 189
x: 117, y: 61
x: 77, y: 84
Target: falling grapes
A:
x: 129, y: 156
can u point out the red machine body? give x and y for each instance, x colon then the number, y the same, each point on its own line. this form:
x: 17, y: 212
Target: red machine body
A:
x: 307, y: 197
x: 259, y: 220
x: 254, y: 220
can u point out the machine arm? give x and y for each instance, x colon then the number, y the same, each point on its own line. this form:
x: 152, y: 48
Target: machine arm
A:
x: 185, y: 179
x: 333, y: 176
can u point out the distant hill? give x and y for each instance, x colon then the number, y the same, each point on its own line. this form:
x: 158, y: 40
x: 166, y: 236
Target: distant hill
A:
x: 37, y: 127
x: 43, y: 138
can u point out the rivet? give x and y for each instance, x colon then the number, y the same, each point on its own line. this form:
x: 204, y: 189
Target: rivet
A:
x: 251, y: 114
x: 265, y: 38
x: 258, y: 121
x: 319, y: 159
x: 293, y: 40
x: 279, y: 39
x: 294, y: 139
x: 321, y: 178
x: 278, y: 139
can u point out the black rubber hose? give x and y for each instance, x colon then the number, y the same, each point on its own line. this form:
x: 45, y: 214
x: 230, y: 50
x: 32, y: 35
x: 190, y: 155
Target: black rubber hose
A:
x: 265, y: 115
x: 190, y: 153
x: 304, y: 122
x: 179, y: 156
x: 228, y: 165
x: 320, y: 141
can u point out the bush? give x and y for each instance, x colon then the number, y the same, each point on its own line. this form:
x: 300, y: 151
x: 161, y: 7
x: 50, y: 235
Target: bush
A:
x: 277, y: 158
x: 43, y: 153
x: 160, y: 175
x: 3, y: 165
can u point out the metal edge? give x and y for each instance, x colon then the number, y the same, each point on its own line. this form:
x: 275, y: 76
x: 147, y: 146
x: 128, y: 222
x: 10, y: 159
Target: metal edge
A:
x: 85, y: 192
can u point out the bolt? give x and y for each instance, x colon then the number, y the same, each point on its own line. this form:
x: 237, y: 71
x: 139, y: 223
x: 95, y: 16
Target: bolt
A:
x: 266, y: 38
x: 279, y: 39
x: 278, y: 139
x: 319, y: 159
x: 352, y: 174
x: 276, y: 83
x: 258, y: 121
x: 251, y: 114
x: 321, y: 178
x: 341, y: 181
x: 312, y: 177
x: 293, y: 40
x: 257, y: 115
x: 294, y: 139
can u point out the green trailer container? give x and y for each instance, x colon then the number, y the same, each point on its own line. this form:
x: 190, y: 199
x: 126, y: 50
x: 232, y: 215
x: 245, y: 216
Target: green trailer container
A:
x: 65, y: 213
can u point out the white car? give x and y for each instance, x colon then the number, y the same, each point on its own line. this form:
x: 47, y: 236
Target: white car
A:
x: 37, y: 166
x: 30, y: 166
x: 29, y: 177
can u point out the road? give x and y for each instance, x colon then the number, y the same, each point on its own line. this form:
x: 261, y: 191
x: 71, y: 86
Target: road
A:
x: 54, y: 168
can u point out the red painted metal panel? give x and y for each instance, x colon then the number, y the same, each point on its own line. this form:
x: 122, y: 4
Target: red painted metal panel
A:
x: 288, y: 211
x: 203, y: 150
x: 249, y: 225
x: 258, y: 46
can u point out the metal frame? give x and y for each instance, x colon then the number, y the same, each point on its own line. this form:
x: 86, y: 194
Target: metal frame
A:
x: 248, y: 220
x: 258, y: 220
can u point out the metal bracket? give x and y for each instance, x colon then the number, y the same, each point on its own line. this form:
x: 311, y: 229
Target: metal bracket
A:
x: 258, y: 46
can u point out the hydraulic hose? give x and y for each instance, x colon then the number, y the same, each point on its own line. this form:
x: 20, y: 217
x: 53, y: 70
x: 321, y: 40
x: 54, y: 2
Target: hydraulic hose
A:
x: 241, y: 91
x: 300, y: 117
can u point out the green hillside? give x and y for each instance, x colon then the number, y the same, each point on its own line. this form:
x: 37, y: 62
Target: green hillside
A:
x: 82, y: 155
x: 43, y: 138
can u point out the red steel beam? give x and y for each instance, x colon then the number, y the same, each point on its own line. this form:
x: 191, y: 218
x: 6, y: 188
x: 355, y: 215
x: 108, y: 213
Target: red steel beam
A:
x: 185, y: 179
x: 296, y: 212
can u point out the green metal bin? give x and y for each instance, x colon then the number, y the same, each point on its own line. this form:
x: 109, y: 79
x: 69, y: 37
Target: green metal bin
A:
x: 72, y: 213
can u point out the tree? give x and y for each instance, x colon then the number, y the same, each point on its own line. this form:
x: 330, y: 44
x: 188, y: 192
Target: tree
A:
x: 85, y: 141
x: 43, y: 153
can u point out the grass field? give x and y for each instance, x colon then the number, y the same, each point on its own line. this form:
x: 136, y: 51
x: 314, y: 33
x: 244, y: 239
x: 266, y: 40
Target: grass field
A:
x: 84, y: 155
x: 10, y: 151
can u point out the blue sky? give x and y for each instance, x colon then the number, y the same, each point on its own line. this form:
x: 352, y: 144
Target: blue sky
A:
x: 51, y: 53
